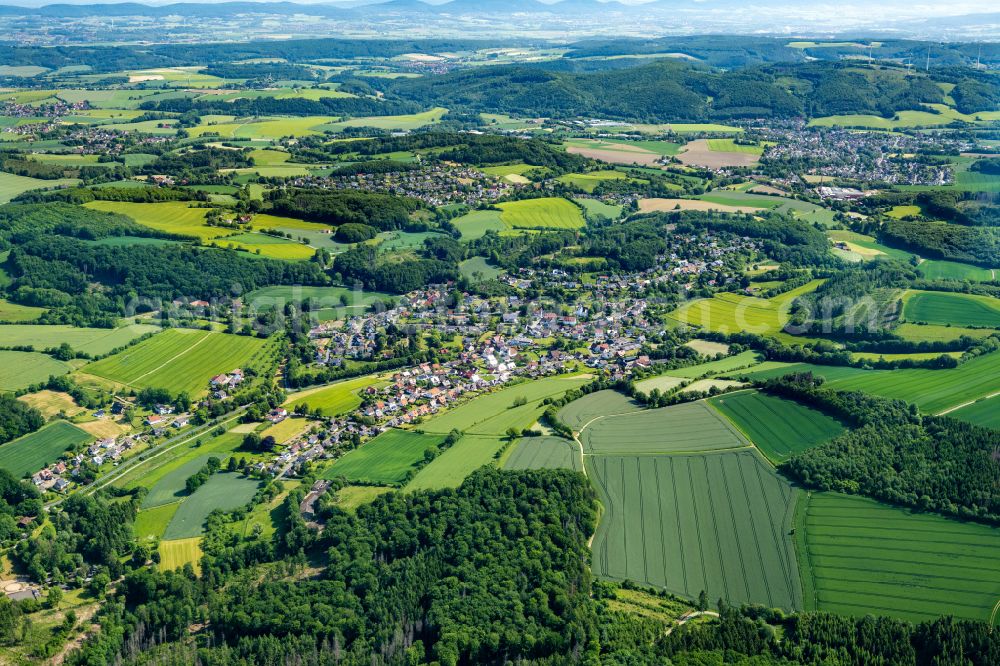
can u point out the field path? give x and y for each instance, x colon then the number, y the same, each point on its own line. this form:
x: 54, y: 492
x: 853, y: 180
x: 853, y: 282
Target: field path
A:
x: 687, y: 617
x: 966, y: 404
x: 579, y: 444
x: 172, y: 359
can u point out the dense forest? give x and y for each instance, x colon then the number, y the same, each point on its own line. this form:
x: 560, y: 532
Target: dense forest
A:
x: 940, y: 240
x: 382, y: 211
x: 667, y: 90
x: 894, y: 454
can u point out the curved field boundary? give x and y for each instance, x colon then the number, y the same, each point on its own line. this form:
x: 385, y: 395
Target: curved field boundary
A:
x: 686, y: 428
x: 686, y: 523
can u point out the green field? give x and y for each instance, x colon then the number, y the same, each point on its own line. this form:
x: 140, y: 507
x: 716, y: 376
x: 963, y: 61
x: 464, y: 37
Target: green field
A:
x: 780, y: 428
x: 335, y: 399
x: 94, y: 341
x: 15, y: 312
x: 932, y: 391
x: 325, y: 302
x: 478, y: 269
x: 386, y: 459
x: 544, y: 213
x: 717, y: 523
x: 150, y: 524
x: 170, y: 488
x: 150, y: 473
x: 12, y: 185
x: 729, y: 313
x: 582, y: 411
x: 686, y: 428
x: 178, y: 360
x: 174, y: 217
x: 224, y: 490
x: 19, y: 370
x: 545, y: 453
x: 588, y: 181
x: 32, y: 452
x: 983, y: 412
x: 461, y: 459
x: 405, y: 122
x: 595, y: 208
x: 475, y: 224
x: 493, y: 413
x: 935, y: 307
x: 268, y: 246
x: 936, y: 269
x: 864, y: 557
x: 937, y: 332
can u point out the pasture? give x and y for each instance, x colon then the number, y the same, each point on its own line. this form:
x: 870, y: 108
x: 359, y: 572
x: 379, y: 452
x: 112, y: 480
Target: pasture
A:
x: 717, y: 523
x: 691, y: 427
x: 170, y: 488
x: 51, y: 403
x: 19, y: 370
x: 491, y: 414
x: 864, y: 557
x: 93, y: 341
x: 150, y: 524
x: 545, y: 453
x: 12, y: 185
x: 937, y: 332
x: 349, y: 498
x: 178, y: 360
x: 935, y: 307
x: 405, y: 122
x: 14, y: 312
x: 937, y: 269
x: 334, y: 399
x: 582, y: 411
x: 731, y: 313
x: 284, y: 430
x: 460, y: 460
x: 544, y: 213
x: 224, y: 490
x: 385, y: 460
x: 173, y: 217
x: 326, y: 303
x: 478, y: 269
x: 589, y: 181
x: 476, y: 223
x: 150, y: 473
x: 780, y: 428
x: 34, y: 451
x: 267, y: 246
x: 596, y: 208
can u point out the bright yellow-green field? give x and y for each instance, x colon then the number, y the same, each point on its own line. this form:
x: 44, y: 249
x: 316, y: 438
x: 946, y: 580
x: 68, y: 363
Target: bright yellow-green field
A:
x: 284, y: 431
x: 185, y: 77
x: 730, y: 313
x: 409, y: 121
x: 175, y: 553
x: 899, y: 212
x: 589, y: 181
x: 265, y: 157
x: 15, y: 312
x: 267, y: 129
x: 171, y: 216
x: 907, y: 119
x: 548, y: 212
x: 334, y: 399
